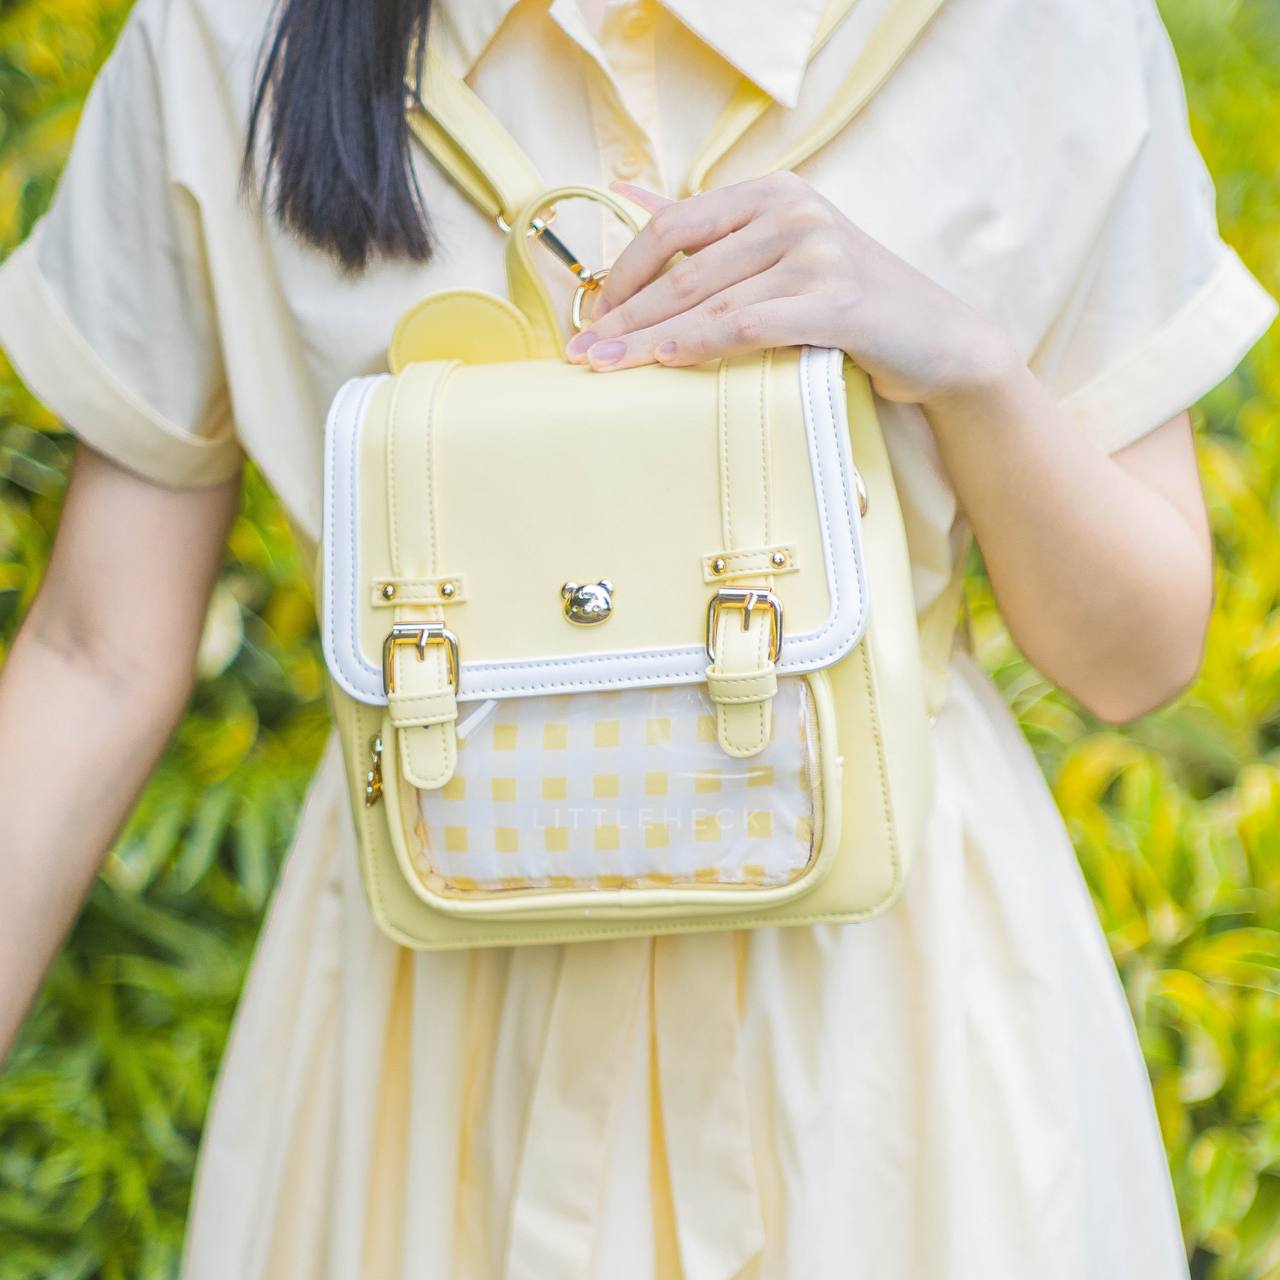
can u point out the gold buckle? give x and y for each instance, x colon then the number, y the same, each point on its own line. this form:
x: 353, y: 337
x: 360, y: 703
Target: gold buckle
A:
x: 420, y: 635
x: 748, y: 599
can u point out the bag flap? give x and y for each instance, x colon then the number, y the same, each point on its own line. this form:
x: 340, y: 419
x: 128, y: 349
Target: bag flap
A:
x: 482, y: 495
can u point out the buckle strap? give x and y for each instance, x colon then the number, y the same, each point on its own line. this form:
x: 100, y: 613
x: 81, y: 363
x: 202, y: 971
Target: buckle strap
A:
x: 425, y: 723
x: 744, y: 638
x: 467, y: 140
x: 745, y: 463
x: 744, y: 623
x: 741, y: 684
x: 420, y: 656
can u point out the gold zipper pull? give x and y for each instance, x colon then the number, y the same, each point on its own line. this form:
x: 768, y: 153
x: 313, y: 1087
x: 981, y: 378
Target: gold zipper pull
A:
x: 373, y: 779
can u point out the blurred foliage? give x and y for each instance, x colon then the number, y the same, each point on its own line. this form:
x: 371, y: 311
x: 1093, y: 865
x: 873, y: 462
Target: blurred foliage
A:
x: 102, y: 1102
x: 1176, y: 821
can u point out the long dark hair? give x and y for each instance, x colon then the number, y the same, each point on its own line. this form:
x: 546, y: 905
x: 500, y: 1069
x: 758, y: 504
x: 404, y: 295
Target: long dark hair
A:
x: 335, y: 168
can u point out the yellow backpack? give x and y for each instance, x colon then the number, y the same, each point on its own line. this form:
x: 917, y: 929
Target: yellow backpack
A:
x: 621, y: 654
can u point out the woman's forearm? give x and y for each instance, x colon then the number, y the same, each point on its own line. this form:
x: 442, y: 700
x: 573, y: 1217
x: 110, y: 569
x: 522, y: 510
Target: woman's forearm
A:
x: 77, y: 742
x: 1104, y: 579
x: 89, y: 693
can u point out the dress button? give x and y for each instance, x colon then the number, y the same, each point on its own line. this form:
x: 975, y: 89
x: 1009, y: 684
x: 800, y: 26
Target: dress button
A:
x: 636, y: 23
x: 629, y: 162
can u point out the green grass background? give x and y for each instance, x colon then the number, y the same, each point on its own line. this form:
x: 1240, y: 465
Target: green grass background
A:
x: 1176, y: 820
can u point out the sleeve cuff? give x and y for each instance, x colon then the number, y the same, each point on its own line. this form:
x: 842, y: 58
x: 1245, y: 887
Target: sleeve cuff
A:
x: 1178, y: 364
x: 65, y: 373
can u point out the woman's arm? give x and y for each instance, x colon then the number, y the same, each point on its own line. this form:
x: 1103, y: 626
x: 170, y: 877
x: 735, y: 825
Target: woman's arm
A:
x: 96, y: 680
x: 1101, y: 563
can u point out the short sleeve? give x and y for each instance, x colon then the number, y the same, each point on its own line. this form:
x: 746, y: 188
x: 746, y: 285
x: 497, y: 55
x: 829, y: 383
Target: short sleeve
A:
x: 106, y: 311
x: 1164, y: 309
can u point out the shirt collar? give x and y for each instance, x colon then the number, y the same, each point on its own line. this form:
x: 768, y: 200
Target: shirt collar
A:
x: 768, y: 41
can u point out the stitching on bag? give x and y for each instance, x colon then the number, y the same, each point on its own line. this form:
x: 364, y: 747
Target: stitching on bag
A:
x: 393, y: 483
x: 765, y: 487
x: 353, y: 524
x: 409, y: 771
x: 340, y: 410
x: 834, y: 363
x: 330, y: 553
x: 887, y: 803
x: 741, y: 677
x: 433, y: 527
x: 764, y: 709
x: 418, y: 713
x: 829, y: 541
x: 726, y: 476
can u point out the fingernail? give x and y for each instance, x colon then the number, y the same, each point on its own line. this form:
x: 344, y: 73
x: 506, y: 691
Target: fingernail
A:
x: 665, y: 350
x: 578, y: 344
x: 607, y: 352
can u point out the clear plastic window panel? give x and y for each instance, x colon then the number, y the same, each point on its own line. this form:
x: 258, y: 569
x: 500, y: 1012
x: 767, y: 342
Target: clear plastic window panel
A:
x: 617, y: 790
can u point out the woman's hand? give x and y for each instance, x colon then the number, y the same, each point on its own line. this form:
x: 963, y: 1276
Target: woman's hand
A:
x: 771, y: 263
x: 1101, y: 564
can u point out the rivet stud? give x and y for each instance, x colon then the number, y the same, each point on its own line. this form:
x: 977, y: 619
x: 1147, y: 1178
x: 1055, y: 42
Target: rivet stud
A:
x: 388, y: 591
x: 778, y: 559
x: 718, y: 565
x: 448, y: 590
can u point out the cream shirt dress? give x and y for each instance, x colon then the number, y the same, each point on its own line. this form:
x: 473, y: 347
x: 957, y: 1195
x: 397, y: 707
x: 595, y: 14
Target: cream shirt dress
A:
x: 952, y: 1091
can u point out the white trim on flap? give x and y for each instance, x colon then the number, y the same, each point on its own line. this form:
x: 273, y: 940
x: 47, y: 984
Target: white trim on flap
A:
x: 340, y: 627
x: 826, y: 427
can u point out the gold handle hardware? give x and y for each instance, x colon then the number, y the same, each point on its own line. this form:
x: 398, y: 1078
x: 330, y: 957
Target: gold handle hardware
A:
x: 373, y: 779
x: 748, y: 599
x: 589, y: 281
x: 541, y: 229
x: 420, y: 635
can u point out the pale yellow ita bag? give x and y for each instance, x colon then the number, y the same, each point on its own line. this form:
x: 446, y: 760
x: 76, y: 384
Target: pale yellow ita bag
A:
x: 621, y: 654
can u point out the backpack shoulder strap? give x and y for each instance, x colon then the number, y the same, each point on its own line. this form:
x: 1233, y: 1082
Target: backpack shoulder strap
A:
x: 467, y: 140
x: 885, y: 47
x: 469, y: 143
x: 748, y: 103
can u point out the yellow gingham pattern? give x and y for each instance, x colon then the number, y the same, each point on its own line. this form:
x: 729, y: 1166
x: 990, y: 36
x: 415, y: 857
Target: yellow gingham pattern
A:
x: 620, y: 790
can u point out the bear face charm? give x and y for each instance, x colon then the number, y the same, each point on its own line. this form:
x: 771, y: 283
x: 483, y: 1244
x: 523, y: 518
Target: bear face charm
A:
x: 588, y: 605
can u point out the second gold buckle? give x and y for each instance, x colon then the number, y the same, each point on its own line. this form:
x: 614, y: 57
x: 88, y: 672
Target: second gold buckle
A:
x: 420, y: 635
x: 748, y: 599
